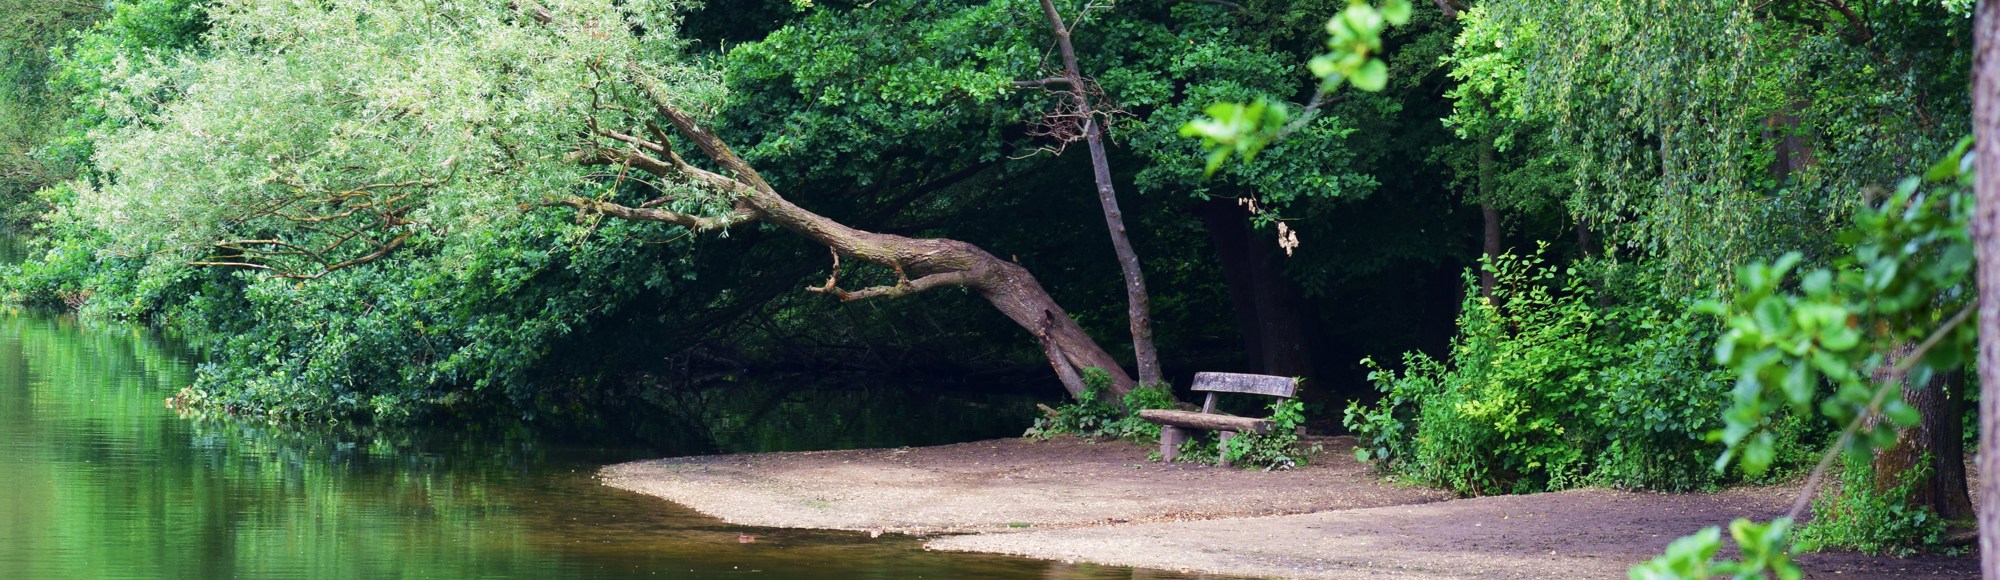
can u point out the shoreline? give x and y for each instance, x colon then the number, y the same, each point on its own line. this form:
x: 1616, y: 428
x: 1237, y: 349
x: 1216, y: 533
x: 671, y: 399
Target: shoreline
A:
x: 1073, y: 500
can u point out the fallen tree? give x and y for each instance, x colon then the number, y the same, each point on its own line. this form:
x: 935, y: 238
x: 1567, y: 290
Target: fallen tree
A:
x: 317, y: 138
x: 919, y: 264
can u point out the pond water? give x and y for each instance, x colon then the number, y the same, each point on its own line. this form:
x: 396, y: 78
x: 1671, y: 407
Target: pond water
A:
x: 98, y: 479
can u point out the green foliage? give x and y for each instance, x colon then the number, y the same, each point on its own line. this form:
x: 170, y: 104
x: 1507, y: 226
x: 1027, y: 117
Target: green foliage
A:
x: 1866, y: 515
x: 1278, y: 449
x: 1095, y: 415
x: 1547, y: 389
x: 1354, y: 46
x: 1765, y: 553
x: 1237, y: 129
x: 1908, y: 265
x: 1701, y: 173
x: 1503, y: 417
x: 1906, y: 275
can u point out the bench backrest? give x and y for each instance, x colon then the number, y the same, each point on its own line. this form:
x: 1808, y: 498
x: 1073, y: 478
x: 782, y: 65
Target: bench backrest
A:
x: 1242, y: 383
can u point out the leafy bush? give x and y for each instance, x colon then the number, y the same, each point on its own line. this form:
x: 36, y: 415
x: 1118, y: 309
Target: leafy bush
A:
x: 1278, y: 449
x: 1550, y: 387
x: 1861, y: 514
x: 1093, y: 414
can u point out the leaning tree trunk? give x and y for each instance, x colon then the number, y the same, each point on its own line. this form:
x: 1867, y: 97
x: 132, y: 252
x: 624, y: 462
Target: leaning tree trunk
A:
x: 919, y: 263
x: 1936, y: 445
x: 1137, y: 309
x: 1986, y: 245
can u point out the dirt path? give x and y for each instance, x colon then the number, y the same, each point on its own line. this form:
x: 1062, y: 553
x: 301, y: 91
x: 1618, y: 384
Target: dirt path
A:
x: 1103, y: 503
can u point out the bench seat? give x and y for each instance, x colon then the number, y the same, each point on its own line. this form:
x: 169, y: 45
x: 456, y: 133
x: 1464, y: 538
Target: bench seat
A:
x: 1177, y: 426
x: 1207, y: 421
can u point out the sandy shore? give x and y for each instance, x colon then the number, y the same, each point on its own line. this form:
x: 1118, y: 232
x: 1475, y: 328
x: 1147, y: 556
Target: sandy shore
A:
x: 1001, y: 485
x: 1103, y: 503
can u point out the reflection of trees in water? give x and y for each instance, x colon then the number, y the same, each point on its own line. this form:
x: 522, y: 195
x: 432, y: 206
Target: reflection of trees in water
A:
x: 105, y: 481
x: 799, y: 413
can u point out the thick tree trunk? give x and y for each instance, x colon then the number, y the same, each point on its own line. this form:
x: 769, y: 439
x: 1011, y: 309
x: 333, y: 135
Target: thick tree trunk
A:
x: 1937, y: 443
x: 920, y: 264
x: 1136, y: 299
x: 1986, y: 240
x: 1273, y: 319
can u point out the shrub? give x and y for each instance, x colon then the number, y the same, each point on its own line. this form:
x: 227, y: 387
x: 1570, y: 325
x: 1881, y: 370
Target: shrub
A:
x: 1093, y: 415
x: 1555, y: 384
x: 1860, y: 514
x: 1278, y: 449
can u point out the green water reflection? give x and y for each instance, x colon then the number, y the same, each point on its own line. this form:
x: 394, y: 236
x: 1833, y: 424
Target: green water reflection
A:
x: 99, y: 480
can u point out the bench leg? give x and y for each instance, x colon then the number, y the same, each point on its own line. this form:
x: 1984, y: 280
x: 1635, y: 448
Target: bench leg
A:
x: 1170, y: 442
x: 1224, y: 436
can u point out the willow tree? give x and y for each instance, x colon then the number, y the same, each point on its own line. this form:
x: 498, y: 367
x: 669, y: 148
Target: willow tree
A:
x: 316, y: 137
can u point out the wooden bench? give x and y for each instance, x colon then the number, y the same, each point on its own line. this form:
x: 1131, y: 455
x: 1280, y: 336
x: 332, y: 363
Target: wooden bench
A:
x: 1177, y: 426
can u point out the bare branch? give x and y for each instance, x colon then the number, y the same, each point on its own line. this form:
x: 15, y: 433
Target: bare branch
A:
x: 903, y: 287
x: 1451, y: 8
x: 1039, y: 83
x: 671, y: 167
x: 712, y: 146
x: 693, y: 222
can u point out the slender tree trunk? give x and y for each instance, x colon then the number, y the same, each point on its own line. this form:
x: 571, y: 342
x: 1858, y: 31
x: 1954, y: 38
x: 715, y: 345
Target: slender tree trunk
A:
x: 1986, y: 240
x: 1135, y: 280
x: 1491, y: 236
x: 1586, y: 240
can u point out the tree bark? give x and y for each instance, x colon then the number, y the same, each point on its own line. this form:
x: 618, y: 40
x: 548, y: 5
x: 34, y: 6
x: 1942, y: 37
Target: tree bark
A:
x: 1986, y: 244
x: 1586, y: 240
x: 1491, y: 236
x: 1138, y: 310
x: 1937, y: 443
x: 1270, y: 314
x: 919, y: 263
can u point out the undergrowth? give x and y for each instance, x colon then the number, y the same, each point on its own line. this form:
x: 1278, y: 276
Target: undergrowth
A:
x: 1276, y: 450
x: 1863, y: 516
x: 1094, y: 415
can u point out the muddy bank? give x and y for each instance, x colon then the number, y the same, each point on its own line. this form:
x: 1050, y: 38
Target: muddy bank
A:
x: 995, y: 486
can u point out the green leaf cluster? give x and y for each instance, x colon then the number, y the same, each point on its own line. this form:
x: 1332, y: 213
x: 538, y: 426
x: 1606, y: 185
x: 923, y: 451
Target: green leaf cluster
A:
x: 1354, y: 46
x: 1095, y: 414
x: 1548, y: 387
x: 1906, y: 275
x: 1867, y: 515
x: 1766, y: 552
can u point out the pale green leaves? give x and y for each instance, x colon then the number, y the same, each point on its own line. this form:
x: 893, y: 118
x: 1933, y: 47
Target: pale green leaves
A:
x: 1238, y: 128
x: 316, y: 123
x: 1766, y: 550
x: 1354, y: 44
x: 1906, y: 274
